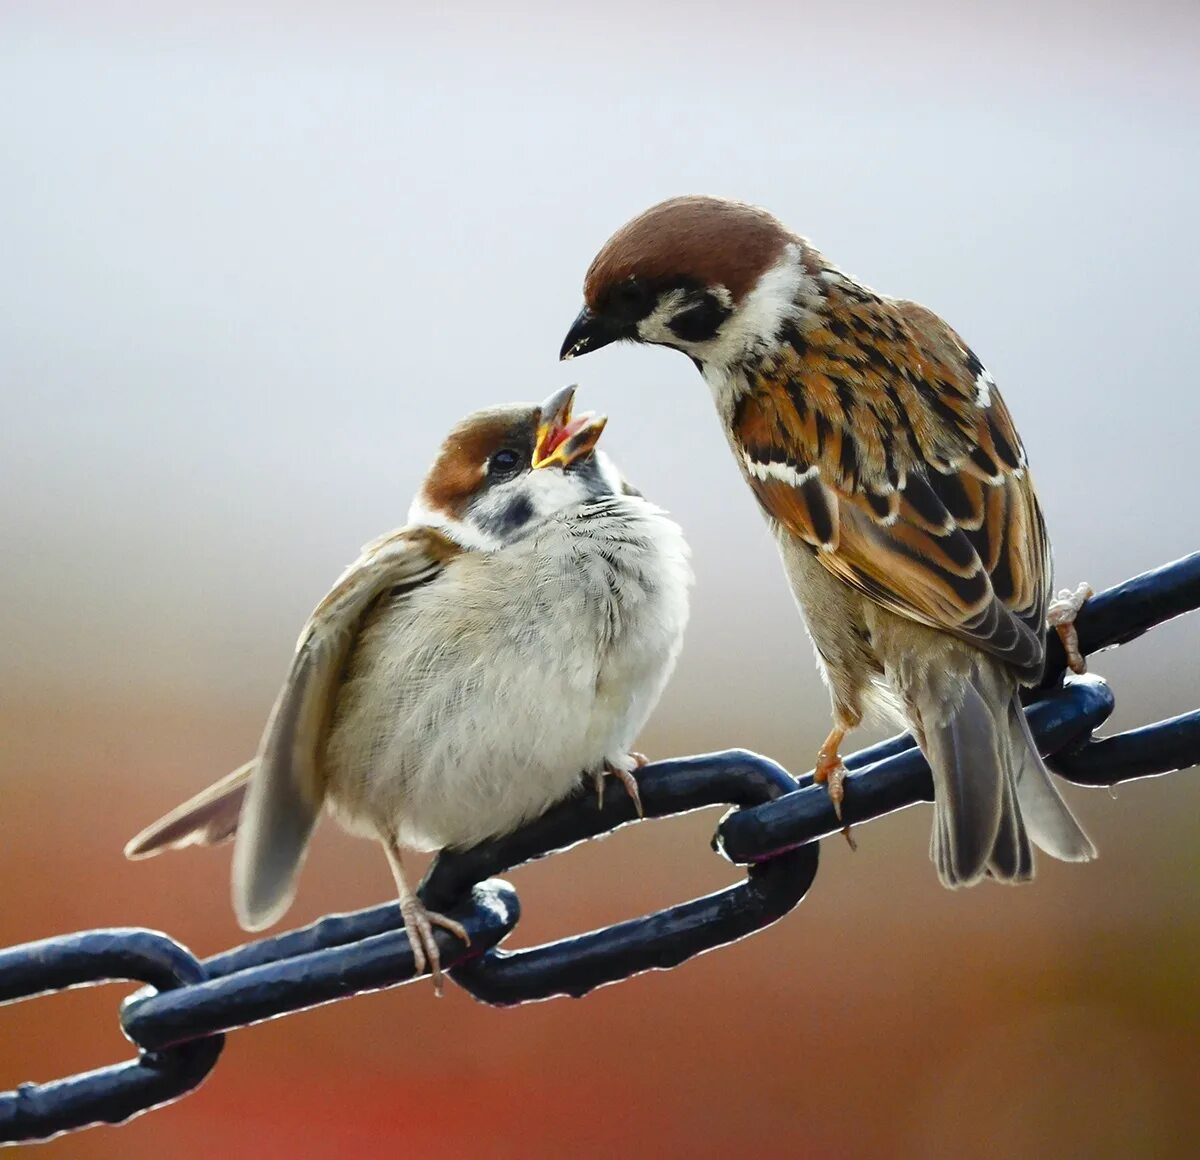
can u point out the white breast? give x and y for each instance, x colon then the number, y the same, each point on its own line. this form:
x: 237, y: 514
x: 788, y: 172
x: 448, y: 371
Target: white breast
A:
x: 480, y: 699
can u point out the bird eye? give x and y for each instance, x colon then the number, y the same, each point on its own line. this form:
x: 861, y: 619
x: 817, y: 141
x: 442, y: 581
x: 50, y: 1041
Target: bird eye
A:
x: 504, y: 462
x: 630, y: 299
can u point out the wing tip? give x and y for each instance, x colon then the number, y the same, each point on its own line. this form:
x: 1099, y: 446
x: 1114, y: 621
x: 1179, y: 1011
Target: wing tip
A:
x: 259, y: 904
x: 142, y: 846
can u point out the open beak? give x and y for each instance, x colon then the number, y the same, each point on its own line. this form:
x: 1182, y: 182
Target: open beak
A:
x: 591, y: 331
x: 562, y: 439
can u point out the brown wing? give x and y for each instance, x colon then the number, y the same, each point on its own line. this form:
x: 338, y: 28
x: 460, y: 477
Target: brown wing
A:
x: 284, y: 781
x: 878, y: 438
x: 286, y: 789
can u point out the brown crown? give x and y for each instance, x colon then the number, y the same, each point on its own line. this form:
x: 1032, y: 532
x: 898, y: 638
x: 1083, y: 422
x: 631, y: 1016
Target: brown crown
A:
x: 459, y: 467
x: 714, y: 241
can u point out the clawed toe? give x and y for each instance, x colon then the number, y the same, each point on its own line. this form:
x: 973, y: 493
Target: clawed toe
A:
x: 418, y: 925
x: 1061, y: 614
x: 832, y: 772
x: 625, y: 777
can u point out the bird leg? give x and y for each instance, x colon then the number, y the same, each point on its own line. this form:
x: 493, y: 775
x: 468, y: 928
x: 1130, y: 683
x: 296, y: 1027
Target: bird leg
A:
x: 419, y: 922
x: 624, y: 774
x: 1061, y: 614
x: 830, y: 770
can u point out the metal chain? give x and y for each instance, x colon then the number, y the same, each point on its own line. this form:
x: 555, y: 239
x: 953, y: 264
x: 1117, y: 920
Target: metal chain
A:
x: 179, y: 1019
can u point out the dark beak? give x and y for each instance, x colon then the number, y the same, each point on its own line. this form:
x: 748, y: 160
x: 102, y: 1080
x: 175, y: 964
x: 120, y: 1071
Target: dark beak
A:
x: 590, y: 332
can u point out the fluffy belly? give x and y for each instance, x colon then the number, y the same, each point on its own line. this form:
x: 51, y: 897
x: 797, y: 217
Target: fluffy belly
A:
x: 479, y: 749
x: 462, y: 740
x: 477, y: 703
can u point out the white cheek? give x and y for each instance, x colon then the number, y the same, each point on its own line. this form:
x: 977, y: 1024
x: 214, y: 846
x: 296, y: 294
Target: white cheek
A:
x: 550, y: 490
x: 421, y: 516
x: 654, y: 328
x: 462, y: 533
x: 782, y: 293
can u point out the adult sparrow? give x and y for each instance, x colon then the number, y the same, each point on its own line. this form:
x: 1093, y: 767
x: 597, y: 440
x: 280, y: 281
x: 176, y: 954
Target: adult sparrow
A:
x: 465, y: 670
x: 897, y: 489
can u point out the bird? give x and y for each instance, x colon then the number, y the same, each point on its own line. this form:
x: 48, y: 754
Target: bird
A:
x: 898, y: 492
x: 466, y: 671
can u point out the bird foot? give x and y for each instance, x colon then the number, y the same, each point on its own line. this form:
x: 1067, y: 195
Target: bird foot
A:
x: 832, y: 772
x: 624, y: 774
x: 1061, y: 614
x: 418, y: 925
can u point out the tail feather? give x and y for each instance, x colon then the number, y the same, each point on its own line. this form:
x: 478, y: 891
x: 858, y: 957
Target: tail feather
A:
x: 208, y: 819
x: 1011, y: 859
x: 964, y: 752
x: 1048, y: 819
x: 994, y: 799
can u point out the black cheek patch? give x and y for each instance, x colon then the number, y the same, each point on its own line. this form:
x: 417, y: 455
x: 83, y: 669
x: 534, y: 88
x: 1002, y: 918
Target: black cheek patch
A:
x: 517, y: 514
x: 505, y: 521
x: 700, y: 322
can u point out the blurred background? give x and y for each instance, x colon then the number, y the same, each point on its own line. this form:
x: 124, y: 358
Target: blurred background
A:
x: 258, y: 259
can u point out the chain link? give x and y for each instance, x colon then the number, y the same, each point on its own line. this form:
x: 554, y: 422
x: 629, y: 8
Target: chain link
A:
x: 179, y: 1018
x: 110, y: 1095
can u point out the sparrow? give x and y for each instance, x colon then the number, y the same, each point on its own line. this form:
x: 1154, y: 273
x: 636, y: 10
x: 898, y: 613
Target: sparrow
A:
x: 465, y: 671
x: 898, y: 492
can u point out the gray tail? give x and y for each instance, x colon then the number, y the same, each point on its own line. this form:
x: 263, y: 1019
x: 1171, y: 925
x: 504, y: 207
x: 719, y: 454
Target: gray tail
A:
x: 1050, y: 823
x: 208, y: 819
x: 993, y: 794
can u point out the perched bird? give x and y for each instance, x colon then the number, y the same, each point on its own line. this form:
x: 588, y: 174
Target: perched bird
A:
x: 896, y: 487
x: 466, y: 670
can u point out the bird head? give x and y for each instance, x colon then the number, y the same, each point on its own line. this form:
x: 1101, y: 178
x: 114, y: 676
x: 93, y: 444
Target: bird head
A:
x: 699, y: 274
x: 503, y: 472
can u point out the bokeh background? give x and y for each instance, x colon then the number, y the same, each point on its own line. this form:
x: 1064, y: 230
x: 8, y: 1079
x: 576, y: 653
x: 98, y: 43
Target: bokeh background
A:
x: 257, y: 258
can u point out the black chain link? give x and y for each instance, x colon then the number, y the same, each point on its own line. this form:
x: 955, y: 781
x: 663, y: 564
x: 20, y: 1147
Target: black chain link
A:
x: 178, y: 1020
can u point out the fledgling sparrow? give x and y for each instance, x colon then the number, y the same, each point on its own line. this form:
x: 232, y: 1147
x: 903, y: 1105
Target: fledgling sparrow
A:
x: 896, y: 487
x: 466, y: 670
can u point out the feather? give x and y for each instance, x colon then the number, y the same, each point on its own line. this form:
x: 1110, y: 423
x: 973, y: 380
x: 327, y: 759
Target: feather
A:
x: 208, y: 819
x: 1011, y: 859
x: 993, y: 795
x: 286, y: 791
x: 933, y: 513
x: 965, y: 755
x: 1051, y: 824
